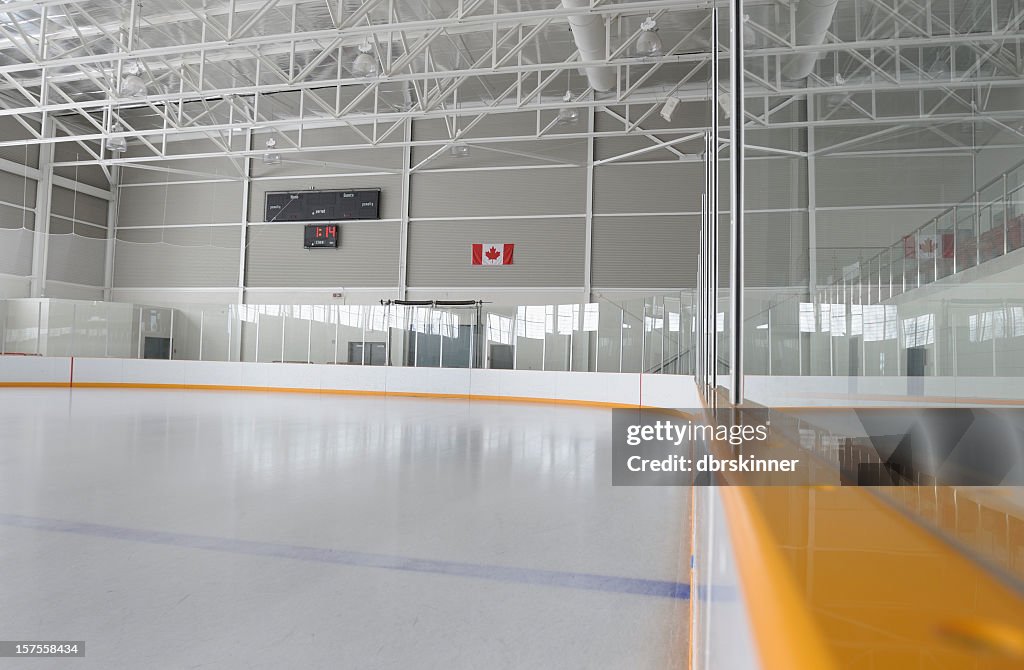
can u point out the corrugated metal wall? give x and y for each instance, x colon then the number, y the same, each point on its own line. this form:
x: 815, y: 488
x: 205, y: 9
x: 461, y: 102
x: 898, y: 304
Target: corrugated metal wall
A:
x: 645, y: 251
x: 367, y: 256
x: 177, y: 257
x: 497, y: 193
x: 548, y: 252
x: 180, y: 204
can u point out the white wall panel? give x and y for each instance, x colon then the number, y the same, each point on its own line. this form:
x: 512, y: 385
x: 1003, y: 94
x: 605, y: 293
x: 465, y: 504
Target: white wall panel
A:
x: 367, y: 255
x: 76, y: 259
x: 548, y: 252
x: 892, y: 180
x: 16, y: 251
x: 496, y: 193
x: 79, y: 206
x: 648, y: 188
x: 183, y: 257
x: 174, y: 204
x: 645, y: 251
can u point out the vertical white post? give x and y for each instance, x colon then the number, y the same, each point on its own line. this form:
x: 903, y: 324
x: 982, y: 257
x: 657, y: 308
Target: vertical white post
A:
x: 622, y: 334
x: 643, y: 339
x: 440, y: 353
x: 74, y: 323
x: 44, y: 192
x: 736, y: 200
x: 713, y: 189
x: 256, y: 357
x: 544, y: 343
x: 812, y: 203
x: 588, y: 244
x: 956, y: 235
x: 111, y: 246
x: 244, y: 233
x: 202, y: 326
x: 39, y: 327
x: 403, y: 234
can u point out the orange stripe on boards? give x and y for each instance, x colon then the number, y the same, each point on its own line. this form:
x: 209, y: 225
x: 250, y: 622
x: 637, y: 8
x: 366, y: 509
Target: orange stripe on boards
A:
x: 11, y: 385
x: 785, y: 634
x: 397, y: 394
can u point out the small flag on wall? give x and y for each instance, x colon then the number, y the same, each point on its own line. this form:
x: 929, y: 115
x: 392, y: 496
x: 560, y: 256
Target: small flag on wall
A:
x: 492, y: 254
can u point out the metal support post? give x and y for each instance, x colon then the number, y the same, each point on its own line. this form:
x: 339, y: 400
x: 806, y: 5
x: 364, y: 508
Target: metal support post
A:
x: 713, y: 199
x: 736, y: 240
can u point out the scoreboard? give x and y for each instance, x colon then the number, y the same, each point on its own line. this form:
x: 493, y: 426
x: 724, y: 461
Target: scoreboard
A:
x: 323, y: 205
x: 320, y: 236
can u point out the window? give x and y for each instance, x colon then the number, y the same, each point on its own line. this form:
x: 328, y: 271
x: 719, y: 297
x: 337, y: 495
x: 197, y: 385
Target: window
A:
x: 499, y: 329
x: 807, y: 318
x: 919, y: 331
x: 568, y: 317
x: 856, y: 320
x: 590, y: 316
x: 837, y: 319
x: 530, y: 321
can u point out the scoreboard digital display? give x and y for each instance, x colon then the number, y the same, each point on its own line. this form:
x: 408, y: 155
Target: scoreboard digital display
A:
x: 323, y: 205
x: 320, y: 236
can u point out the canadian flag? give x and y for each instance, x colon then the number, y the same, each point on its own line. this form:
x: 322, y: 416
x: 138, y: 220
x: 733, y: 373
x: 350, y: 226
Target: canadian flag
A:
x: 492, y: 254
x: 927, y: 245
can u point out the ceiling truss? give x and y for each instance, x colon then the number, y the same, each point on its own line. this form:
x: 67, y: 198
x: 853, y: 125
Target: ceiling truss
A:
x: 258, y: 65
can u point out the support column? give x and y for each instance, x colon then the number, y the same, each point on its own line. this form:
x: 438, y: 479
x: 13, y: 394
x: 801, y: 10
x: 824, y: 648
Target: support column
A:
x: 736, y: 241
x: 243, y: 244
x: 246, y: 191
x: 812, y: 204
x: 713, y: 189
x: 403, y: 233
x: 41, y: 238
x: 112, y: 206
x: 588, y: 258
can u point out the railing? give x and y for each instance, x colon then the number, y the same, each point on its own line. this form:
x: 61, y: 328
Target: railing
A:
x: 986, y: 225
x: 646, y: 334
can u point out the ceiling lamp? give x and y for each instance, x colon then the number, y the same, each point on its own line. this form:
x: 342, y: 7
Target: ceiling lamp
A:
x: 271, y: 157
x: 568, y: 115
x: 132, y: 85
x: 459, y: 150
x: 648, y: 43
x: 117, y: 144
x: 365, y: 64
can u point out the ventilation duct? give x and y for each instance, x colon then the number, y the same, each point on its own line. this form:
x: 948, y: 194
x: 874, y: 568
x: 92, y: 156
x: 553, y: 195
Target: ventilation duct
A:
x: 589, y: 34
x: 813, y: 17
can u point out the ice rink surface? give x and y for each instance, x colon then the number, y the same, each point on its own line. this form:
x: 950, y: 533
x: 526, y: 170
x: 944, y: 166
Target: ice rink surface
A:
x: 192, y: 529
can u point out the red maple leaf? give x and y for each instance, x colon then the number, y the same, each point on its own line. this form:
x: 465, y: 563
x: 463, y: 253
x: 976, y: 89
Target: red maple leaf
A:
x: 492, y: 254
x: 928, y: 245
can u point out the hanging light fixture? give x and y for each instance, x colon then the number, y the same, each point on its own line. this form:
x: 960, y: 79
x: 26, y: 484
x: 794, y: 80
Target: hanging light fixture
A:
x: 365, y: 64
x: 568, y: 115
x: 117, y: 144
x: 648, y: 43
x: 271, y: 157
x: 459, y: 150
x: 132, y: 85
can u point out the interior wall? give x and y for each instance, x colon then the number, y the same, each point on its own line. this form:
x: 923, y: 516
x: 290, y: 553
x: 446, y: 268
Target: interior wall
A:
x: 181, y: 231
x: 644, y: 217
x: 18, y: 185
